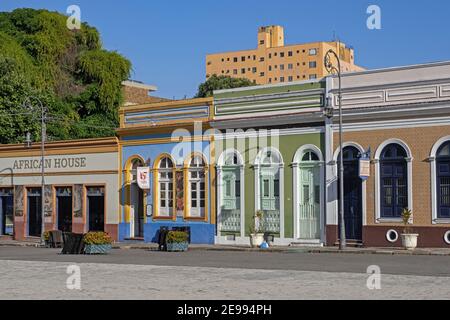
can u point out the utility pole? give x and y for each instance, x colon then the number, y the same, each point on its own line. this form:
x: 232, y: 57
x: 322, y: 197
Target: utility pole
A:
x: 43, y: 137
x: 336, y: 70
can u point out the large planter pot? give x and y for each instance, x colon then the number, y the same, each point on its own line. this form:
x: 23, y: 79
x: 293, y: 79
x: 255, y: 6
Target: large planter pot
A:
x: 97, y: 248
x: 409, y: 241
x: 177, y: 246
x: 256, y: 240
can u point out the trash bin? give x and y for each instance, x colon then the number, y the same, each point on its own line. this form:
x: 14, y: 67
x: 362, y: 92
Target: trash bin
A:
x: 78, y: 243
x: 56, y: 239
x: 162, y: 246
x: 73, y: 243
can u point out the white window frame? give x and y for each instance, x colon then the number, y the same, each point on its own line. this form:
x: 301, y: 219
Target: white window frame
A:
x: 221, y: 162
x: 434, y: 194
x: 198, y: 211
x: 409, y: 161
x: 165, y: 211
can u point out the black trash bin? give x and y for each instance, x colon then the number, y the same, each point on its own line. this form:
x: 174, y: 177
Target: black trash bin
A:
x: 73, y: 243
x: 162, y: 246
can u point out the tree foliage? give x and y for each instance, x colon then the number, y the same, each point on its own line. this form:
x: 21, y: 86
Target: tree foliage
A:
x: 216, y: 82
x: 77, y: 80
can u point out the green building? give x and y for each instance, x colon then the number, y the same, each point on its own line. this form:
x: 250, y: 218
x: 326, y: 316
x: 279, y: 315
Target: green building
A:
x: 270, y: 146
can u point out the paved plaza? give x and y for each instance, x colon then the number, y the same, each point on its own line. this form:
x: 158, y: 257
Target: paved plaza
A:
x: 31, y: 273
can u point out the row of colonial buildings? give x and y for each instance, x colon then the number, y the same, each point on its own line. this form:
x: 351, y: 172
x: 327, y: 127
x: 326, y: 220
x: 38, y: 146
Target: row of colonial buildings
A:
x: 215, y: 162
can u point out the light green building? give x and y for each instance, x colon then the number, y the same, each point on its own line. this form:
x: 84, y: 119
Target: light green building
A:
x: 270, y: 143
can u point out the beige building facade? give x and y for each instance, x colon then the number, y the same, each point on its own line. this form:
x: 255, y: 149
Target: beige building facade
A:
x: 81, y: 188
x: 274, y: 62
x: 401, y: 118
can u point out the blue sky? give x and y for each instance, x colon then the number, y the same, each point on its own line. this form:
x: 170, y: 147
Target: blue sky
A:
x: 167, y: 40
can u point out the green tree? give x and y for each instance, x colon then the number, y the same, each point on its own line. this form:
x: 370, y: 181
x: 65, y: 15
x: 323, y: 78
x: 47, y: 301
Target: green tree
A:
x: 216, y: 82
x: 77, y: 80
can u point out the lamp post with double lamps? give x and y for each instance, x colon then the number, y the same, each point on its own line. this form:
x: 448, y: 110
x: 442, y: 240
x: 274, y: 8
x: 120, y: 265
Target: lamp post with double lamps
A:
x: 43, y: 115
x: 336, y: 70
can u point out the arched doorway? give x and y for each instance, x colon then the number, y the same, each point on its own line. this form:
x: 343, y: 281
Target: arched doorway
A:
x: 308, y: 175
x: 352, y: 195
x: 269, y: 184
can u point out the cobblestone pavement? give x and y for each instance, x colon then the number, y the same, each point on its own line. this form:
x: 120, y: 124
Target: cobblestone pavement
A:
x: 47, y: 280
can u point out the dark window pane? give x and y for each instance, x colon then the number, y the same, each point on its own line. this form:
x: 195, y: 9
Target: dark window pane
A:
x: 317, y: 194
x: 238, y: 188
x: 276, y: 187
x: 306, y: 194
x: 444, y: 150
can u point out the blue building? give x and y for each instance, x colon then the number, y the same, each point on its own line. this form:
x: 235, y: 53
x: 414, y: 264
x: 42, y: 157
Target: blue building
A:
x: 172, y: 140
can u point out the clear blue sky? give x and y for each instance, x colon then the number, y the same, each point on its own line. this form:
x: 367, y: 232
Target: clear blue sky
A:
x: 167, y: 40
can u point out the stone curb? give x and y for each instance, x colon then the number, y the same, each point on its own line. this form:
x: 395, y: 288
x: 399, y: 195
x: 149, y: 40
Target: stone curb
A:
x: 298, y: 250
x: 23, y: 245
x: 270, y: 250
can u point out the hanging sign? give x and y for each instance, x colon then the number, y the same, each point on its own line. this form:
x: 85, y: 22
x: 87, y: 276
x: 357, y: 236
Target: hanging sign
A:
x: 364, y: 165
x: 143, y: 178
x: 364, y: 168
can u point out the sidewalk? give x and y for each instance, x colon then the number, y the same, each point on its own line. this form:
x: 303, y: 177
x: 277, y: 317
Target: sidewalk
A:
x: 293, y: 249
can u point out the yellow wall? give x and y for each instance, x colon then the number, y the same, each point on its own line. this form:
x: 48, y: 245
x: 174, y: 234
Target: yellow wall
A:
x: 263, y: 65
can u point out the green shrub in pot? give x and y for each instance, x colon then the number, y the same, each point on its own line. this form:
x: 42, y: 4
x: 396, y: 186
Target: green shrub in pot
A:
x: 97, y: 243
x: 177, y: 241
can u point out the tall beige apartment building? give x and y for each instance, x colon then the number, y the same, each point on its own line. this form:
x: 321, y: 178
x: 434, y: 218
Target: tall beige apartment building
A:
x: 273, y: 62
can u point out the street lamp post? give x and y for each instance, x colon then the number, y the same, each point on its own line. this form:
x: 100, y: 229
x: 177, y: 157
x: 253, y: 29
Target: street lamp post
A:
x: 336, y: 70
x: 43, y: 136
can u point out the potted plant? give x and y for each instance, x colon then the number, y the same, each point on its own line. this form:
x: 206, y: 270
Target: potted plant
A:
x: 97, y: 243
x: 409, y: 239
x: 177, y: 241
x: 257, y: 230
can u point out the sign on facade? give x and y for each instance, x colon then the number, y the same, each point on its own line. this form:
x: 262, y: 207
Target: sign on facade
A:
x: 143, y: 178
x: 364, y: 168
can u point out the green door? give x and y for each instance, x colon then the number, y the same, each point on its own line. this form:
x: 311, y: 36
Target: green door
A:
x: 309, y: 203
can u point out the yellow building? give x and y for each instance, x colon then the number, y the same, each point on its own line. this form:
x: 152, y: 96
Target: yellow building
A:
x: 273, y: 62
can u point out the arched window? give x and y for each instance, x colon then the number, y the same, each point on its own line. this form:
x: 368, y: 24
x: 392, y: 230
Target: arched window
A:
x: 269, y: 166
x: 393, y: 181
x: 443, y: 181
x: 165, y: 187
x: 230, y: 202
x: 197, y: 187
x: 310, y: 156
x: 135, y: 163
